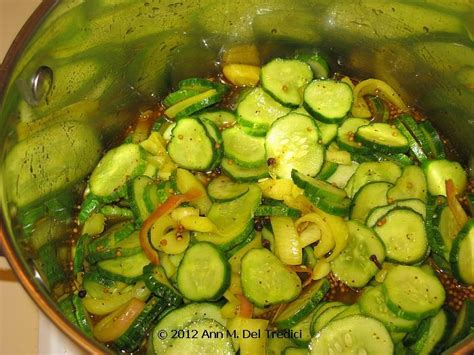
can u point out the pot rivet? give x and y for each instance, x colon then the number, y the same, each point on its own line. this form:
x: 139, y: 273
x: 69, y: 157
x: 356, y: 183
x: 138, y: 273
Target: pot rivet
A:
x: 41, y: 83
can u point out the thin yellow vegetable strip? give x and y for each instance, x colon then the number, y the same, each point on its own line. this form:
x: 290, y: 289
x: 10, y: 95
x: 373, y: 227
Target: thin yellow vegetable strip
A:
x: 377, y: 88
x: 287, y: 241
x: 326, y: 242
x: 321, y: 269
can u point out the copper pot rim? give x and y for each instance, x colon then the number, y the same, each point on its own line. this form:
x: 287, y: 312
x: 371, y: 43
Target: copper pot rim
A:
x: 8, y: 248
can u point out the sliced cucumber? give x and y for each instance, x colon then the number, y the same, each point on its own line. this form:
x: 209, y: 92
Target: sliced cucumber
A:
x: 382, y: 137
x: 258, y: 110
x: 82, y: 316
x: 156, y: 280
x: 378, y: 212
x: 318, y: 64
x: 370, y: 196
x: 402, y: 230
x: 327, y: 131
x: 355, y: 266
x: 372, y: 171
x: 327, y: 100
x: 193, y: 104
x: 127, y: 269
x: 327, y: 170
x: 223, y: 189
x: 462, y: 254
x: 292, y: 143
x: 244, y: 174
x: 222, y: 118
x: 412, y: 293
x: 447, y: 228
x: 415, y: 147
x: 204, y: 273
x: 355, y: 334
x: 317, y: 189
x: 178, y: 319
x: 285, y: 80
x: 233, y: 219
x: 325, y: 317
x: 190, y: 146
x: 373, y: 304
x: 266, y: 281
x: 247, y: 151
x: 201, y: 85
x: 438, y: 171
x: 276, y: 208
x: 410, y: 185
x: 104, y: 248
x: 300, y: 308
x: 216, y: 136
x: 118, y: 165
x: 464, y: 323
x: 352, y: 310
x: 431, y: 335
x: 346, y: 135
x: 435, y: 145
x: 136, y: 194
x: 179, y: 95
x: 137, y: 331
x: 342, y: 175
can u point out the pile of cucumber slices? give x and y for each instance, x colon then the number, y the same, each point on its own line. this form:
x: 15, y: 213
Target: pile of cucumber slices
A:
x: 220, y: 223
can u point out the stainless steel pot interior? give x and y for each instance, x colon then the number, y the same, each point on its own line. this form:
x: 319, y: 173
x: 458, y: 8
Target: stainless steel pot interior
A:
x: 80, y: 70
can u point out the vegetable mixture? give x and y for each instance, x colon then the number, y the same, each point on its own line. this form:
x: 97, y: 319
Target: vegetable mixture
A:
x: 276, y: 210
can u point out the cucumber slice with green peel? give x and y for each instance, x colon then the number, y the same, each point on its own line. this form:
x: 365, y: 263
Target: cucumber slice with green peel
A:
x: 193, y: 104
x: 379, y: 109
x: 83, y: 319
x: 318, y: 64
x: 382, y: 137
x: 190, y: 146
x: 353, y: 309
x: 184, y: 182
x: 247, y: 151
x: 378, y: 212
x: 356, y: 265
x: 410, y: 185
x: 201, y: 344
x: 320, y: 308
x: 328, y: 169
x: 346, y: 135
x: 370, y: 196
x: 241, y: 174
x: 435, y: 145
x: 431, y: 334
x: 291, y: 350
x: 412, y: 293
x: 157, y: 282
x: 355, y: 334
x: 342, y: 175
x: 104, y: 250
x: 107, y: 181
x: 258, y: 110
x: 317, y: 189
x: 222, y: 118
x: 266, y: 281
x: 204, y: 273
x: 325, y: 317
x: 327, y: 100
x: 292, y: 143
x: 224, y: 189
x: 413, y: 128
x: 302, y: 328
x: 126, y: 269
x: 415, y: 147
x: 438, y: 171
x: 372, y: 171
x: 403, y: 233
x: 233, y: 219
x: 110, y: 239
x: 214, y: 132
x: 178, y: 319
x: 327, y: 131
x: 136, y: 193
x: 285, y: 80
x: 373, y: 304
x: 336, y: 208
x: 300, y: 308
x: 464, y: 323
x: 447, y: 228
x: 179, y: 95
x: 461, y: 254
x: 137, y: 331
x: 202, y: 85
x: 276, y: 208
x: 151, y: 197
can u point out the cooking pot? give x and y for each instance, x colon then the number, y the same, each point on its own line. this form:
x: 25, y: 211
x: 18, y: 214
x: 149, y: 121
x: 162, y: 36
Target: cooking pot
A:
x: 80, y: 70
